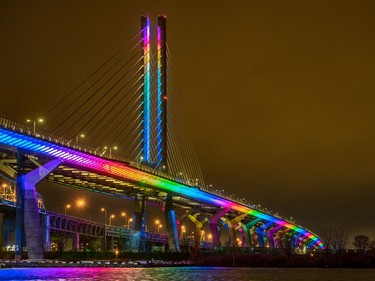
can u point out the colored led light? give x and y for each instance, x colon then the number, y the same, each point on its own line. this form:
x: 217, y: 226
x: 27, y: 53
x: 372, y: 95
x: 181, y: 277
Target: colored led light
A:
x: 121, y: 170
x: 147, y: 93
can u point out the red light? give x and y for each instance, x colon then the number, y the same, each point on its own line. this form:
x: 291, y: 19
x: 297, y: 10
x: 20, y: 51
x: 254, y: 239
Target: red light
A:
x: 164, y: 97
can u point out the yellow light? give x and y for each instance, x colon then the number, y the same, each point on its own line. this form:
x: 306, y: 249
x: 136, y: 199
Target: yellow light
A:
x: 40, y: 120
x: 68, y: 206
x: 123, y: 214
x: 102, y: 209
x: 157, y: 222
x: 80, y: 203
x: 112, y: 216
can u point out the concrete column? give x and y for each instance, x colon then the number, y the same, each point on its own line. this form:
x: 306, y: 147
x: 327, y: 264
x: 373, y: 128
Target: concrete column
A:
x: 260, y: 232
x: 7, y: 227
x: 171, y: 223
x: 28, y: 205
x: 247, y: 232
x: 279, y: 237
x: 19, y: 231
x: 232, y: 228
x: 46, y: 233
x: 271, y: 236
x: 214, y: 227
x: 243, y: 235
x: 76, y: 242
x: 138, y: 235
x: 198, y: 229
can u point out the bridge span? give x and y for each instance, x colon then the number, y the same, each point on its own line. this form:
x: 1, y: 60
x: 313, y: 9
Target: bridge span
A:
x: 29, y: 158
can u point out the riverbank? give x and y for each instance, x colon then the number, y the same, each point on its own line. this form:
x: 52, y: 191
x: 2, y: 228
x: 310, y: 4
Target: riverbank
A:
x: 127, y: 259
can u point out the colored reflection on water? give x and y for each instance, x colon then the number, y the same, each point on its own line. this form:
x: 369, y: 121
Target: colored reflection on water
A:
x: 187, y: 273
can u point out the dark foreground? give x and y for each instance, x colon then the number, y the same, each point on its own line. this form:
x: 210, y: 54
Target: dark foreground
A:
x: 188, y: 273
x: 322, y: 259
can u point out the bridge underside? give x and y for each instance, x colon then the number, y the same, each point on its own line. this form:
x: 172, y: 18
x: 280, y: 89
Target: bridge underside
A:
x: 107, y: 185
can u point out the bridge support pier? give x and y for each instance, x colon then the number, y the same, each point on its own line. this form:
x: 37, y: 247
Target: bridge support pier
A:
x: 247, y: 228
x: 198, y: 229
x: 260, y: 232
x: 271, y: 237
x: 27, y: 212
x: 138, y: 235
x: 232, y: 229
x: 46, y: 233
x: 7, y: 228
x: 171, y: 223
x: 76, y: 243
x: 214, y: 227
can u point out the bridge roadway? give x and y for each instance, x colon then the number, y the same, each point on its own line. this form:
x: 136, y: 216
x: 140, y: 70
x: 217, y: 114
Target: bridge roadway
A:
x: 81, y: 167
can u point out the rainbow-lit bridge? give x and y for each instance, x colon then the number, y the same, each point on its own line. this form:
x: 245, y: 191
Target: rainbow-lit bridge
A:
x: 29, y: 155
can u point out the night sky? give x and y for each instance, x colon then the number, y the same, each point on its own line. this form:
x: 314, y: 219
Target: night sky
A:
x: 279, y: 95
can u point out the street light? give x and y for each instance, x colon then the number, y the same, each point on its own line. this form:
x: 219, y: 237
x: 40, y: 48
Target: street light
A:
x: 76, y: 138
x: 159, y: 226
x: 105, y: 228
x: 81, y: 203
x: 67, y: 206
x: 123, y: 214
x: 129, y: 221
x: 105, y: 215
x: 40, y: 120
x: 110, y: 219
x: 110, y: 150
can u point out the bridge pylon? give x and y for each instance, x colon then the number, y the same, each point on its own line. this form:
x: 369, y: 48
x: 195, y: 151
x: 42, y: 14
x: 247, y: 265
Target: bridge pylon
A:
x: 28, y: 223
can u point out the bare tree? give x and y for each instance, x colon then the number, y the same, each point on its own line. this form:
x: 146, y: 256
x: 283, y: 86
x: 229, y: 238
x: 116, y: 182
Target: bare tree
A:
x: 361, y: 242
x: 340, y: 238
x: 327, y: 235
x: 334, y: 239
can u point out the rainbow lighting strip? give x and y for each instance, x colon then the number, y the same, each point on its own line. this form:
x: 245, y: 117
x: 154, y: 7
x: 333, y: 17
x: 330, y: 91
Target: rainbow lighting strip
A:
x: 159, y: 101
x: 121, y: 170
x: 147, y: 92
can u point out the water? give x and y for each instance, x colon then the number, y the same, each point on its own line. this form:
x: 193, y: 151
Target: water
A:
x: 188, y: 273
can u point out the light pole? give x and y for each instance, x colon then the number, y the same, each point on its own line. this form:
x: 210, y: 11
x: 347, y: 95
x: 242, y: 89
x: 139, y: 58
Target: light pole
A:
x: 76, y: 138
x: 67, y: 206
x: 110, y: 219
x: 129, y: 221
x: 123, y: 214
x: 40, y: 120
x: 110, y: 150
x: 105, y: 228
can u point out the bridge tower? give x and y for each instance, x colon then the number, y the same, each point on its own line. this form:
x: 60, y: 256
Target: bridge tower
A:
x: 160, y: 144
x: 162, y: 94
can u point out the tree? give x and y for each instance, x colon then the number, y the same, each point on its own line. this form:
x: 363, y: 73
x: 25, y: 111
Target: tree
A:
x: 335, y: 239
x: 362, y: 242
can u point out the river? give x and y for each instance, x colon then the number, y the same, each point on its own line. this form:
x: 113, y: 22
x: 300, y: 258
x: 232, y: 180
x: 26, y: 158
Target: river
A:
x: 188, y: 273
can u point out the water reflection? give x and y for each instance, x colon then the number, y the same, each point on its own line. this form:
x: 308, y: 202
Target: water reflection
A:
x: 187, y: 273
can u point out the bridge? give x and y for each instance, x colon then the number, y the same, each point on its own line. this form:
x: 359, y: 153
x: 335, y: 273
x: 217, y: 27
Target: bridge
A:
x: 149, y: 173
x: 77, y: 229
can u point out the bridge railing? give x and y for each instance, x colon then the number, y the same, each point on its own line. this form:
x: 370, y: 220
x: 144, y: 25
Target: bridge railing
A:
x: 98, y: 151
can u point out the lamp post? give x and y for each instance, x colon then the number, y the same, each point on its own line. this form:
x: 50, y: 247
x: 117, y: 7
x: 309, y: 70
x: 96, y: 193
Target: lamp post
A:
x: 40, y: 120
x: 129, y: 221
x: 110, y: 150
x: 110, y: 219
x: 123, y: 214
x: 105, y: 228
x: 67, y: 206
x: 159, y: 226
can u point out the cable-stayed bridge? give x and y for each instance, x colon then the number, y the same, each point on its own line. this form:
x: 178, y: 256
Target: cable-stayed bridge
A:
x: 128, y: 102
